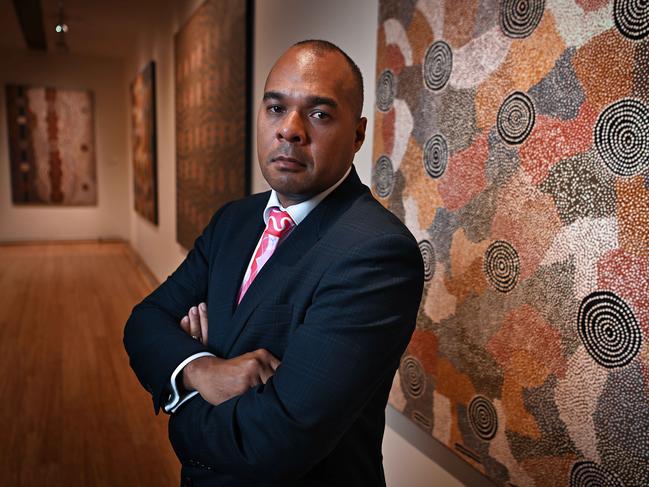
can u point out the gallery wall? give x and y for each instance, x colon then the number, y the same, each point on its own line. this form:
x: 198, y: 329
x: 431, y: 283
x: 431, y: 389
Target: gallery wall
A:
x: 102, y: 76
x: 157, y: 244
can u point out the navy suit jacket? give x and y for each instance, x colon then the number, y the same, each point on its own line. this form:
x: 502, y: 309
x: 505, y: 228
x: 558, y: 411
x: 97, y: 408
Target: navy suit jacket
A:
x: 336, y: 303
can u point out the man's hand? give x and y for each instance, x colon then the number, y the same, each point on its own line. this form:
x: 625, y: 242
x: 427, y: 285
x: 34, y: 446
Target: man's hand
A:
x: 216, y: 379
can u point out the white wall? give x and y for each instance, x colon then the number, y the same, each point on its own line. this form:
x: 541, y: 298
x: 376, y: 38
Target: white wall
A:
x: 104, y: 77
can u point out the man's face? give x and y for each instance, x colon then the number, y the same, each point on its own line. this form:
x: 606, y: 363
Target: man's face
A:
x: 307, y: 126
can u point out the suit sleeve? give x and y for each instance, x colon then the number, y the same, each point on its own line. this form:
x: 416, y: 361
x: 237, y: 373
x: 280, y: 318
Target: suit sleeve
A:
x: 353, y: 335
x: 153, y: 339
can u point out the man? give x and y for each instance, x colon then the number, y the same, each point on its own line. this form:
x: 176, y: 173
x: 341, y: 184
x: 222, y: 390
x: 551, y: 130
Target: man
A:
x: 312, y: 293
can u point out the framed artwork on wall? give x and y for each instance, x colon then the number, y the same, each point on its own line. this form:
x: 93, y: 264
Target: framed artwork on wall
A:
x: 213, y: 80
x: 144, y: 141
x: 51, y: 146
x: 512, y: 138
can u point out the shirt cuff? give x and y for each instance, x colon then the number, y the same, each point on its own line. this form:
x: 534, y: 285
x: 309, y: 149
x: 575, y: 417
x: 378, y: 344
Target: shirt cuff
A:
x: 175, y: 398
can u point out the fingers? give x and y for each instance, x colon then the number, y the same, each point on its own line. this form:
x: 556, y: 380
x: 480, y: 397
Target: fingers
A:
x: 268, y: 364
x: 268, y: 358
x: 194, y: 323
x: 184, y: 324
x: 202, y: 313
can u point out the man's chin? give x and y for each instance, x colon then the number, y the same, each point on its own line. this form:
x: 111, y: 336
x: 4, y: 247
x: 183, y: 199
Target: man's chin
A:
x: 291, y: 193
x: 288, y: 190
x: 287, y: 181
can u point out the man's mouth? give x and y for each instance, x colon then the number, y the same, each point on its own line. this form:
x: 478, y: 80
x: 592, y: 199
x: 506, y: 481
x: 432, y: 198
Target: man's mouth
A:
x: 287, y: 163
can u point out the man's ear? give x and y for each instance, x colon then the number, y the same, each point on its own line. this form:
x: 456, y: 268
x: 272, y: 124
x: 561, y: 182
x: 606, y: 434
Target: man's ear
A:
x: 361, y: 126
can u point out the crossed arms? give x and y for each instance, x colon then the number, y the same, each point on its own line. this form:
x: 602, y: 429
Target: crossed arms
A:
x: 270, y: 420
x: 217, y: 379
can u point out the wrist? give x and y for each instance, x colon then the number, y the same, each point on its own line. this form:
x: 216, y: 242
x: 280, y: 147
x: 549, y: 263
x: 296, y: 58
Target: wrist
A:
x: 192, y: 371
x: 188, y: 373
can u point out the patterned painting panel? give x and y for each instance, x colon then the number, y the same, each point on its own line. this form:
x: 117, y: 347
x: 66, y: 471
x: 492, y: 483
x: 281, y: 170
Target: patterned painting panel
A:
x: 51, y: 145
x: 211, y: 53
x: 143, y: 126
x: 512, y: 138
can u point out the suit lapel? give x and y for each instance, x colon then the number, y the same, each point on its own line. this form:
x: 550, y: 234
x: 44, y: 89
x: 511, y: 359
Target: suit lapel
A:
x: 228, y: 272
x: 296, y: 245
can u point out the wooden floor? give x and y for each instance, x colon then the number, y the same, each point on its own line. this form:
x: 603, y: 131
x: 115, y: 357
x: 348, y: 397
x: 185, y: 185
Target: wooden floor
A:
x: 72, y: 412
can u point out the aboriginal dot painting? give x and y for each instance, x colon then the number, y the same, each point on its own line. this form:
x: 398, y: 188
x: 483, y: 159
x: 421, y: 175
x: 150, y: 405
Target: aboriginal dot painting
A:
x: 212, y: 81
x: 512, y: 138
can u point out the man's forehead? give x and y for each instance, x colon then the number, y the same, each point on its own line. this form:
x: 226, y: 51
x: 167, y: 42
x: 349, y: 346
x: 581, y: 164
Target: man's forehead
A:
x: 302, y: 74
x: 304, y: 66
x: 303, y: 58
x: 306, y: 58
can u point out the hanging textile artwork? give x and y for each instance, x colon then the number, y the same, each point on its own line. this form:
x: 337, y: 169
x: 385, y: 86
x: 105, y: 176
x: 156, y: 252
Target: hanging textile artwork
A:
x: 51, y: 146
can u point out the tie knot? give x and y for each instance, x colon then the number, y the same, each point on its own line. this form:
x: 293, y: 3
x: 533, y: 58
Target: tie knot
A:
x: 279, y: 223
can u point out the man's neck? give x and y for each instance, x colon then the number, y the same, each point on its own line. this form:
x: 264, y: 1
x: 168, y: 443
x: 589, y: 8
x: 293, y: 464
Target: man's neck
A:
x: 291, y: 200
x: 299, y: 207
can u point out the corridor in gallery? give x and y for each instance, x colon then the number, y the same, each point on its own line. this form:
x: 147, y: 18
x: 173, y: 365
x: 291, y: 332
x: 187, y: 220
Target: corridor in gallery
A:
x: 72, y: 411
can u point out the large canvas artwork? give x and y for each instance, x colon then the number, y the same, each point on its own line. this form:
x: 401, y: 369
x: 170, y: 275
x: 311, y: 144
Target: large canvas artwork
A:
x: 212, y: 93
x: 51, y: 145
x: 512, y: 137
x: 143, y: 120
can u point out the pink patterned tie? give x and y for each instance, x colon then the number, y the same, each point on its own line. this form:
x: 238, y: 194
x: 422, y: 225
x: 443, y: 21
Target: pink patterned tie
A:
x: 279, y: 226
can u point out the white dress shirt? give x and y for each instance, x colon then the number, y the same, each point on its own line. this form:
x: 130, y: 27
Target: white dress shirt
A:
x: 298, y: 213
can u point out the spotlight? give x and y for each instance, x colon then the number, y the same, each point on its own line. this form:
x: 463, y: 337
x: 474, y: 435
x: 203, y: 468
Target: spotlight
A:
x: 61, y: 29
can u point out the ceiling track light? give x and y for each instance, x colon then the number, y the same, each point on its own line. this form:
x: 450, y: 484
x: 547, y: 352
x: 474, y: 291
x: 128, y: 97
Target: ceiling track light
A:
x: 61, y: 29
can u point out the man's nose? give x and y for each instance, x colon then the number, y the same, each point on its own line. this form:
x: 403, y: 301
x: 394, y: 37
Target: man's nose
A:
x: 292, y: 128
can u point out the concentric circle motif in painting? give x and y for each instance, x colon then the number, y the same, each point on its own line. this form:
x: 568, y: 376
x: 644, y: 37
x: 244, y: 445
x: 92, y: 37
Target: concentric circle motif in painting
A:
x: 483, y: 417
x: 502, y: 265
x: 435, y: 156
x: 622, y: 137
x: 414, y: 377
x: 632, y: 18
x: 428, y: 256
x: 609, y: 329
x: 385, y: 91
x: 438, y: 63
x: 515, y: 118
x: 519, y: 18
x: 383, y: 177
x: 590, y: 474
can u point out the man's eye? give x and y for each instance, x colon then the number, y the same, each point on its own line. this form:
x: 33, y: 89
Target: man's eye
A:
x: 274, y: 109
x: 320, y: 115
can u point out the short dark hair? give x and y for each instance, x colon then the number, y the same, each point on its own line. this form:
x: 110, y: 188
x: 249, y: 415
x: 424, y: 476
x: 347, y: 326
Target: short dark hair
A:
x: 321, y: 46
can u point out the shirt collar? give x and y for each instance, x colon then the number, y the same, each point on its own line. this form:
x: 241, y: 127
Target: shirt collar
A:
x: 300, y: 211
